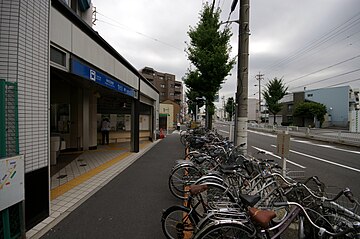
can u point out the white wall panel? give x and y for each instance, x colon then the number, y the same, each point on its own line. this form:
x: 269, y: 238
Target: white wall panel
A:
x: 68, y: 36
x: 125, y: 74
x: 60, y: 29
x: 148, y: 91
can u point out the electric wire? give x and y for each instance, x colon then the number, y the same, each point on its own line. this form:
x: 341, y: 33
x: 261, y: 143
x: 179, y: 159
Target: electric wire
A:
x: 317, y: 42
x: 122, y: 26
x: 358, y: 79
x: 326, y: 68
x: 325, y: 79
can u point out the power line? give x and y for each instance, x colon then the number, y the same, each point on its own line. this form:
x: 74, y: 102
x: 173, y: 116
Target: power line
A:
x: 119, y: 25
x: 328, y: 67
x: 358, y: 79
x: 318, y: 42
x: 329, y: 78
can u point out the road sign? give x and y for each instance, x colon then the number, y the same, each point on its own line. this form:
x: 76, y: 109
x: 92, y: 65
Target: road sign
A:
x: 283, y: 144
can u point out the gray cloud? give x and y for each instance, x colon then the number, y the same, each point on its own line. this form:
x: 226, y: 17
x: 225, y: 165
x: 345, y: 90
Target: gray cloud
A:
x: 282, y: 41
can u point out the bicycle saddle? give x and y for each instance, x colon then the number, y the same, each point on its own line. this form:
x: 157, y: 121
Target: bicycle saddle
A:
x: 261, y: 217
x: 196, y: 189
x: 249, y: 200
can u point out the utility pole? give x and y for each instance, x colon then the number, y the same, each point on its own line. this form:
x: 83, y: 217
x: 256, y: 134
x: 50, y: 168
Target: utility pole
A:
x: 259, y: 77
x: 242, y: 75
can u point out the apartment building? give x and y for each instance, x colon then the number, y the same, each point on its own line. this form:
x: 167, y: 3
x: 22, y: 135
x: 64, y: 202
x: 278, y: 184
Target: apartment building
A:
x: 169, y: 88
x: 170, y: 91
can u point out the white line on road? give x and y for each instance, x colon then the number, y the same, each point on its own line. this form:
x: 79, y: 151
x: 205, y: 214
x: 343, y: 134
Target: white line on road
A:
x: 324, y: 160
x: 276, y: 156
x: 226, y: 132
x: 309, y: 142
x: 327, y: 146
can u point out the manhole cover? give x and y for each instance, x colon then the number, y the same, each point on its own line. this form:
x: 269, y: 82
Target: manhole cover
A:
x: 62, y: 176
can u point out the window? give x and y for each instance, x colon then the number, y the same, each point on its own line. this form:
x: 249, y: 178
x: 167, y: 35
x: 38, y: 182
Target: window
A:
x: 309, y: 95
x: 171, y: 94
x: 290, y: 107
x: 162, y: 85
x: 162, y: 93
x: 161, y: 77
x: 172, y: 86
x: 57, y: 56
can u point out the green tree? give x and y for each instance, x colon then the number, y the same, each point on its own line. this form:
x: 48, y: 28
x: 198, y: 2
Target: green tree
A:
x: 209, y: 53
x: 275, y: 91
x: 310, y: 110
x: 229, y: 108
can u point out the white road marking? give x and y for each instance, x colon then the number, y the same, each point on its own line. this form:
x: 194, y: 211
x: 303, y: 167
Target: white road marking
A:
x: 276, y: 156
x: 323, y: 160
x: 226, y: 132
x: 309, y: 142
x: 327, y: 146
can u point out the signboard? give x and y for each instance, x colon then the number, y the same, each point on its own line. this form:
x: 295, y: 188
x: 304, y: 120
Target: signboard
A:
x: 11, y: 181
x: 283, y: 144
x: 89, y: 73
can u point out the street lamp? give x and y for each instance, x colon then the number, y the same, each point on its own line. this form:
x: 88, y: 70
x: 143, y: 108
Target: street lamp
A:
x: 196, y: 106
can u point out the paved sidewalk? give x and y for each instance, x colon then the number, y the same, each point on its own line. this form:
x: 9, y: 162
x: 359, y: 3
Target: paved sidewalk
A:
x: 114, y: 200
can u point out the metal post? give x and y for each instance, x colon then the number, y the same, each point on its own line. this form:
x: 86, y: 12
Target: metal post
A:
x: 259, y: 77
x: 242, y: 76
x: 2, y: 120
x: 196, y: 112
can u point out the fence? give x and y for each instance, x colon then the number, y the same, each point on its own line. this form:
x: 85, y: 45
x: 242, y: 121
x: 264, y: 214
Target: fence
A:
x: 11, y: 214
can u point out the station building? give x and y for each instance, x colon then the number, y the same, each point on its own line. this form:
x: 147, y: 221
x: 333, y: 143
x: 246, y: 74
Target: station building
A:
x: 66, y: 79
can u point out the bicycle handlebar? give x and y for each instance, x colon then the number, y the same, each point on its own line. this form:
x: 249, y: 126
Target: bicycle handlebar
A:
x: 349, y: 195
x: 315, y: 179
x: 347, y: 192
x: 321, y: 229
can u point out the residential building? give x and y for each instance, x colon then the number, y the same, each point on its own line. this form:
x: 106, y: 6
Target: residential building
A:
x: 339, y: 101
x: 289, y: 102
x: 165, y: 83
x: 170, y: 90
x: 67, y: 78
x: 253, y: 110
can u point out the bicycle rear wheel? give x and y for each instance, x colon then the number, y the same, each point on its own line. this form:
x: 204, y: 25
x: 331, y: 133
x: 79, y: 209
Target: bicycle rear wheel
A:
x: 222, y: 230
x: 177, y: 222
x: 216, y: 196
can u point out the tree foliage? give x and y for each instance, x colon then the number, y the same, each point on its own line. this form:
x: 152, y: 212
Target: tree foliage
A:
x: 311, y: 110
x: 274, y: 92
x: 230, y: 108
x: 209, y: 53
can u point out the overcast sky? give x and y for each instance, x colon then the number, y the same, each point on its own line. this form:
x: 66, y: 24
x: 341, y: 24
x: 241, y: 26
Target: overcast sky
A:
x: 310, y: 43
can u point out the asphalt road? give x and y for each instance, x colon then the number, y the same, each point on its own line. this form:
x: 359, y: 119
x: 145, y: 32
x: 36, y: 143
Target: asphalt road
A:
x: 338, y: 166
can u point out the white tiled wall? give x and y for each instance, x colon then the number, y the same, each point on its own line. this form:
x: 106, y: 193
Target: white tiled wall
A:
x: 24, y: 58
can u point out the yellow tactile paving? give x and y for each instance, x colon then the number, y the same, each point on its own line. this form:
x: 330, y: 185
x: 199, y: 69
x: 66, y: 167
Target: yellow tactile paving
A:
x: 56, y: 192
x: 60, y: 190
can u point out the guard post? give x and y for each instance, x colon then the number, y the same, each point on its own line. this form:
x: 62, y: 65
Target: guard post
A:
x: 283, y: 147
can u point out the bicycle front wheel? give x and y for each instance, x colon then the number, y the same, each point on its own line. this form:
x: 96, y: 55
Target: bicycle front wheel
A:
x: 177, y: 222
x: 181, y: 178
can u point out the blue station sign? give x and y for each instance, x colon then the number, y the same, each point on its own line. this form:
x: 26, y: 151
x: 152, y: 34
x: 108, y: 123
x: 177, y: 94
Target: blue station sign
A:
x: 89, y: 73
